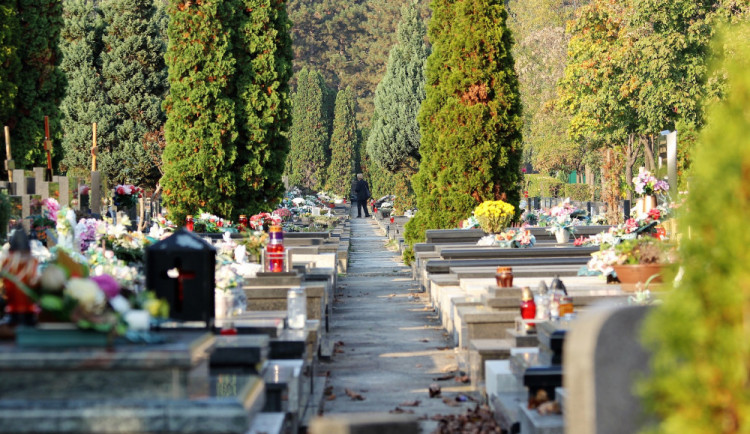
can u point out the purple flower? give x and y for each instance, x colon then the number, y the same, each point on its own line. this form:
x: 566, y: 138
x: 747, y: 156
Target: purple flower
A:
x: 108, y: 285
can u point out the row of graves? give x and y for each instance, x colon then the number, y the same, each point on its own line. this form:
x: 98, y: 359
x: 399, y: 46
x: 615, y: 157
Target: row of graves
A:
x: 546, y: 325
x: 207, y: 327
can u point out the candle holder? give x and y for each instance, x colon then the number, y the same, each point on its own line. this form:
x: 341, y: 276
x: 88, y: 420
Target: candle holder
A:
x: 504, y: 277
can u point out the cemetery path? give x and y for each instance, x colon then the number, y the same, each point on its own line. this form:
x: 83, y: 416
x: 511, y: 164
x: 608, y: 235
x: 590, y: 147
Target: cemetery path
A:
x: 390, y: 344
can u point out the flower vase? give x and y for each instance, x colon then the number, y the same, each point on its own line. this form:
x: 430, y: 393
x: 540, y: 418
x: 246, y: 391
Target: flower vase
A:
x: 224, y: 303
x: 646, y: 204
x: 562, y: 235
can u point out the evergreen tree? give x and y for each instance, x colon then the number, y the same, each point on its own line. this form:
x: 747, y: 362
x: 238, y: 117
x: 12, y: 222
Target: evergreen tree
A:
x: 200, y: 130
x: 699, y: 336
x: 343, y: 143
x: 133, y: 73
x: 84, y: 101
x: 309, y: 134
x: 263, y: 49
x: 10, y: 64
x: 394, y: 139
x: 470, y: 120
x: 41, y: 83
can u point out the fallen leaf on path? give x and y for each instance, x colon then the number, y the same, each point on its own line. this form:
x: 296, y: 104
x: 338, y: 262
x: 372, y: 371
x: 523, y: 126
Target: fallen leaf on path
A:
x: 434, y: 390
x: 399, y: 410
x: 392, y: 295
x: 463, y: 379
x: 354, y: 395
x: 451, y: 403
x: 443, y: 348
x: 424, y: 340
x: 444, y: 377
x: 340, y: 343
x: 338, y: 351
x: 414, y: 403
x: 451, y: 368
x: 437, y: 417
x: 328, y: 391
x: 419, y: 365
x: 330, y: 397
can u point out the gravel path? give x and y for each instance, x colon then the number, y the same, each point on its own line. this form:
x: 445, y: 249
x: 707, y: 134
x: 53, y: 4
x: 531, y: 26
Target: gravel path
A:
x: 391, y: 346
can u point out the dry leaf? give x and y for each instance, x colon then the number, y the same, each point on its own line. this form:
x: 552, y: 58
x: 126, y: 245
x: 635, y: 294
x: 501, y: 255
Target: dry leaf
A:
x: 419, y: 365
x: 414, y: 403
x: 330, y: 397
x: 450, y: 402
x: 463, y: 379
x: 399, y: 410
x: 424, y: 340
x: 444, y: 377
x: 444, y: 348
x: 328, y: 390
x: 354, y: 395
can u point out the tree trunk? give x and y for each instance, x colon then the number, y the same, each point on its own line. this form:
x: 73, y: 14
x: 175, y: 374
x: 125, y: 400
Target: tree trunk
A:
x: 632, y: 152
x: 648, y: 148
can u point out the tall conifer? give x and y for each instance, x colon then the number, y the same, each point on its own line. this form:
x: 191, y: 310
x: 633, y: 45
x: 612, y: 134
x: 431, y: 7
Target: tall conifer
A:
x: 470, y: 120
x: 10, y: 64
x: 394, y: 140
x: 309, y: 136
x: 134, y: 75
x: 84, y: 101
x: 200, y: 128
x: 343, y: 142
x: 263, y: 50
x: 41, y: 83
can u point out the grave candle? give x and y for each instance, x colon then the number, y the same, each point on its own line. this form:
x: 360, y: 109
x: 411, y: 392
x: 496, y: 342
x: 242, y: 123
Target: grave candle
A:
x: 275, y: 250
x: 528, y: 307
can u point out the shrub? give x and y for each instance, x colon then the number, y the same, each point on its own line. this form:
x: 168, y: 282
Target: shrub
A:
x: 579, y: 192
x: 543, y: 186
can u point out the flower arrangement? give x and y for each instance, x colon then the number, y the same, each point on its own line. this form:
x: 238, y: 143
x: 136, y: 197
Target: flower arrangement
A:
x: 46, y: 220
x: 254, y: 243
x: 212, y: 224
x: 494, y: 215
x: 264, y: 220
x: 126, y: 195
x: 512, y: 238
x: 563, y: 217
x: 470, y: 223
x: 127, y: 246
x: 647, y: 184
x: 284, y: 213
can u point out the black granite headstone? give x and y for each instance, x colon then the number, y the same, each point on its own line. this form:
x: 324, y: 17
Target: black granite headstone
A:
x: 181, y: 270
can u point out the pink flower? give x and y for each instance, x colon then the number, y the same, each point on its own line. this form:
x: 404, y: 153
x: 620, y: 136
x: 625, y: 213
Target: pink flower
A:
x: 52, y: 207
x: 120, y: 189
x: 108, y: 285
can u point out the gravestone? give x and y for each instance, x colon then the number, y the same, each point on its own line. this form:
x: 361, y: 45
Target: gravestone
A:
x: 603, y: 360
x: 181, y: 269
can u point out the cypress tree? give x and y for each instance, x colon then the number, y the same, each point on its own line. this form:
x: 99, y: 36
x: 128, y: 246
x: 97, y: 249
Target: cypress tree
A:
x: 394, y: 140
x: 84, y: 101
x: 343, y: 143
x: 134, y: 74
x: 309, y: 134
x: 263, y: 49
x: 200, y: 128
x: 470, y: 120
x: 10, y: 64
x: 41, y: 83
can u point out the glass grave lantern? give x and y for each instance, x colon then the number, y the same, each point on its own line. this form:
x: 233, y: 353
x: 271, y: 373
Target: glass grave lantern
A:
x: 181, y: 269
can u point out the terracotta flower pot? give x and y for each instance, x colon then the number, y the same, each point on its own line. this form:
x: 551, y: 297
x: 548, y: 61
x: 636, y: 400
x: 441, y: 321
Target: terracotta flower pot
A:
x: 630, y: 275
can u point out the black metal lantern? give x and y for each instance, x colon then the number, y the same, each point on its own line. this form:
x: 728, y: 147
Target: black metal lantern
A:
x: 181, y: 269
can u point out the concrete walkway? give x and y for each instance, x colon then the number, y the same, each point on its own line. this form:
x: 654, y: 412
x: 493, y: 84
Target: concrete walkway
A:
x: 391, y: 346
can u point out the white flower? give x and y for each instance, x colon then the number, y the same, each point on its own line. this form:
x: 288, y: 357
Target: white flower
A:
x: 52, y: 278
x: 240, y: 254
x: 120, y: 304
x: 87, y: 293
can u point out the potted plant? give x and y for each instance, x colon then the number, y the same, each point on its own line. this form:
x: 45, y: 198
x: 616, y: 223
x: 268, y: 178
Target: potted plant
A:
x: 494, y: 215
x: 637, y: 260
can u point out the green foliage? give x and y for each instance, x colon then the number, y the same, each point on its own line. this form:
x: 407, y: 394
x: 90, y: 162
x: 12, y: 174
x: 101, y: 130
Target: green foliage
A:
x: 343, y: 142
x: 347, y: 41
x: 394, y: 140
x: 699, y: 336
x: 470, y: 120
x: 41, y: 83
x: 580, y: 192
x: 10, y: 65
x: 310, y: 133
x: 201, y: 130
x: 263, y: 49
x: 543, y: 186
x: 84, y: 101
x: 228, y: 108
x: 134, y: 78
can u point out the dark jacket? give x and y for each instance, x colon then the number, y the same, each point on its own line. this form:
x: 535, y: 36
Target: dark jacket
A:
x: 362, y: 190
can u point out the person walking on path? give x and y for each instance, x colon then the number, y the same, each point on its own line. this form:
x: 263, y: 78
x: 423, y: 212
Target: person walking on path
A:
x: 363, y: 193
